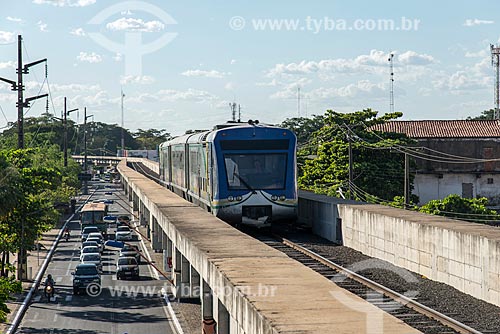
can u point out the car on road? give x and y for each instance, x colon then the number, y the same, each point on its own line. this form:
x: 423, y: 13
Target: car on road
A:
x: 127, y: 267
x: 123, y: 233
x: 87, y: 230
x: 90, y: 243
x: 89, y: 250
x: 108, y: 193
x: 131, y: 250
x: 99, y: 241
x: 84, y: 275
x: 92, y: 258
x: 108, y: 201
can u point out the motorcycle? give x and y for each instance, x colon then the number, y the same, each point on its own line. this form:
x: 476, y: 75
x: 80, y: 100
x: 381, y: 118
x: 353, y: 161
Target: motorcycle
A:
x: 49, y: 292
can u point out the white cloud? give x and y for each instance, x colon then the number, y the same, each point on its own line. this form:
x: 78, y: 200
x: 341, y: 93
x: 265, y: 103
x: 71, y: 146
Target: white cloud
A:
x: 42, y: 26
x: 89, y: 57
x: 6, y: 37
x: 233, y: 61
x: 118, y: 57
x: 78, y: 32
x: 191, y: 95
x: 173, y: 95
x: 363, y: 88
x: 131, y: 24
x: 479, y: 54
x: 76, y: 88
x: 477, y: 76
x: 413, y: 58
x: 207, y: 74
x: 8, y: 64
x: 65, y: 3
x: 137, y: 79
x: 476, y: 22
x: 272, y: 83
x: 229, y: 86
x: 14, y: 19
x: 375, y: 62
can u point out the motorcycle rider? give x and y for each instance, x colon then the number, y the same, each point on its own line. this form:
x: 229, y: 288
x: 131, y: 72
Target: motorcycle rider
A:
x: 66, y: 233
x: 49, y: 281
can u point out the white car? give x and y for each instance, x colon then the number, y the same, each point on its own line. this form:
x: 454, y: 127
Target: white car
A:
x: 99, y: 242
x: 123, y: 233
x: 89, y: 250
x: 92, y: 258
x: 123, y: 236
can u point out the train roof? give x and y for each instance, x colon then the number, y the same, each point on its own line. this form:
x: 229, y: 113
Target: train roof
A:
x: 209, y: 135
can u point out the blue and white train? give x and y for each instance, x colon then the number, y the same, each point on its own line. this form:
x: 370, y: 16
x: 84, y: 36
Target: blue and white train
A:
x: 242, y: 173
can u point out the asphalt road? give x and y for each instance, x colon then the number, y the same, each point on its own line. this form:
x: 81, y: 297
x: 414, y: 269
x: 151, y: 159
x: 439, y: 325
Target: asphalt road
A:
x: 122, y: 306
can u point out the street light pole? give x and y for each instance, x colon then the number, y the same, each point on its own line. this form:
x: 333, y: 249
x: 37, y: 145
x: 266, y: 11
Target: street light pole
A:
x: 85, y: 186
x: 65, y: 124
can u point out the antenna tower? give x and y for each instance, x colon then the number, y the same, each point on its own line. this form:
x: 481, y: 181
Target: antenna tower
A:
x: 391, y: 94
x: 495, y: 61
x: 233, y: 110
x: 298, y: 102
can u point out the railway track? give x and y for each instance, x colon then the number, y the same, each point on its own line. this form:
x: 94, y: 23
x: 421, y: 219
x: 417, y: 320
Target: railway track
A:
x: 402, y: 307
x: 406, y: 309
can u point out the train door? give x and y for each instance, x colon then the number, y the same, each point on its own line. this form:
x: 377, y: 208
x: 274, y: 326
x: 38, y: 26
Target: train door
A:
x: 210, y: 171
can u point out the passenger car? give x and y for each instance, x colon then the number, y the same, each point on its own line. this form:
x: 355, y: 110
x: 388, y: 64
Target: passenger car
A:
x: 127, y: 267
x: 123, y: 233
x: 90, y: 243
x: 131, y: 250
x: 87, y: 230
x: 84, y: 275
x: 98, y: 241
x: 88, y: 250
x: 92, y: 258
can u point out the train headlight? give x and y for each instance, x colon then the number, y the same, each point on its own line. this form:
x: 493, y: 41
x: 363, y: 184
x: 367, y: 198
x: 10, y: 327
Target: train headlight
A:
x: 274, y: 197
x: 282, y: 197
x: 239, y: 198
x: 230, y: 198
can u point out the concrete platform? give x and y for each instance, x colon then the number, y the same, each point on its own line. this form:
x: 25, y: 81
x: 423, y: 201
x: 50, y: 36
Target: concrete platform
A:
x: 262, y: 289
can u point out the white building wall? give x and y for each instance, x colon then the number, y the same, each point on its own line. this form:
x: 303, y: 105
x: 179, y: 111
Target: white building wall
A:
x: 429, y: 186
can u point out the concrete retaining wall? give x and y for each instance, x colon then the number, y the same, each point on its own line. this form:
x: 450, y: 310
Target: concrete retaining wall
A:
x: 463, y: 255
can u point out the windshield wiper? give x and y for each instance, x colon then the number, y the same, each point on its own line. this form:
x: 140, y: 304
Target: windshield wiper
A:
x: 245, y: 183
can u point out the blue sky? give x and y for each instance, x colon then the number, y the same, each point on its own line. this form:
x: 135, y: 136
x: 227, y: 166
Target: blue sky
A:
x: 180, y: 64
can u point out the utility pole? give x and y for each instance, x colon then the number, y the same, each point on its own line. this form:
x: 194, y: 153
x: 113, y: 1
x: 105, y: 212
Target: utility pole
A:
x: 65, y: 127
x: 495, y: 61
x: 20, y: 88
x: 407, y: 181
x: 123, y: 129
x: 350, y: 166
x: 85, y: 184
x: 21, y: 104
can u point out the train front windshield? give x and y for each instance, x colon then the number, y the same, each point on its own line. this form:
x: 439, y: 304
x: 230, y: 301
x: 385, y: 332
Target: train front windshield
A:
x: 256, y: 171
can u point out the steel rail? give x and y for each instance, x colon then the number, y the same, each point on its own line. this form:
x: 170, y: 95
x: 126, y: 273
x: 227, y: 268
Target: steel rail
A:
x: 402, y: 299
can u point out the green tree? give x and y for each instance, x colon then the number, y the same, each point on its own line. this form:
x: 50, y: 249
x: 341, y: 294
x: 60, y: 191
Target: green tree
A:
x: 8, y: 286
x: 150, y: 139
x: 303, y: 127
x: 485, y: 115
x: 454, y: 206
